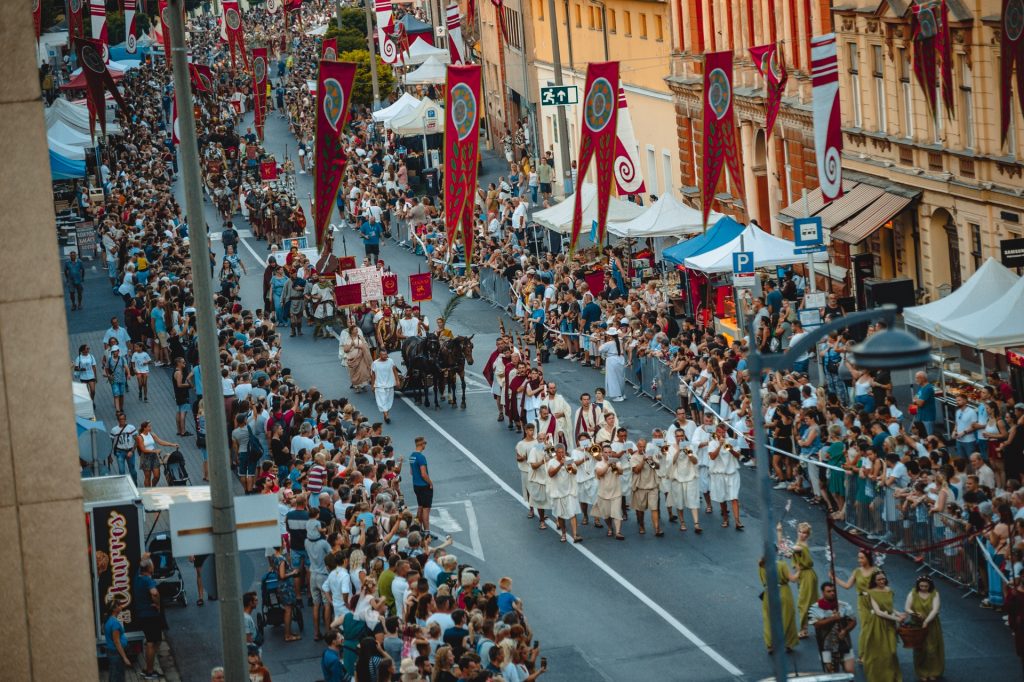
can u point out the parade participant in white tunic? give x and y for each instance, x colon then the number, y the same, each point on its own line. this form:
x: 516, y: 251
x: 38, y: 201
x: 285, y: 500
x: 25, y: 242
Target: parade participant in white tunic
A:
x: 355, y: 352
x: 562, y: 490
x: 589, y: 419
x: 725, y: 476
x: 682, y: 421
x: 684, y: 481
x: 500, y: 379
x: 622, y: 450
x: 523, y: 449
x: 659, y: 449
x: 547, y: 424
x: 605, y: 406
x: 609, y: 493
x: 538, y: 485
x: 615, y: 366
x: 699, y: 443
x: 645, y: 486
x: 586, y: 482
x: 532, y: 393
x: 562, y: 412
x: 606, y: 434
x: 385, y: 377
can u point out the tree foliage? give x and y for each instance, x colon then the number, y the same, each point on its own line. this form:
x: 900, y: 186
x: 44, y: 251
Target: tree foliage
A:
x: 362, y: 90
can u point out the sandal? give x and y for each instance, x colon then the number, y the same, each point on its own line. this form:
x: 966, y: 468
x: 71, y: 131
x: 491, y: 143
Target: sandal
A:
x: 725, y: 523
x: 610, y: 532
x: 586, y: 522
x: 682, y: 526
x: 697, y: 529
x: 562, y: 539
x: 597, y: 523
x: 540, y: 526
x: 576, y: 539
x: 803, y: 634
x: 707, y: 510
x: 531, y: 515
x: 199, y: 602
x: 292, y: 638
x: 620, y: 536
x: 658, y: 533
x: 643, y: 530
x: 740, y: 526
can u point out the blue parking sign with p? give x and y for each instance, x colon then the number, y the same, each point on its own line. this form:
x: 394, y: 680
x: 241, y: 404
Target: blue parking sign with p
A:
x: 743, y: 263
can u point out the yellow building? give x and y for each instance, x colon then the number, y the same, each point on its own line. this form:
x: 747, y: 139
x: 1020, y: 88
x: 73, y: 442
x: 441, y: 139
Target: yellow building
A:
x: 636, y: 34
x: 960, y: 191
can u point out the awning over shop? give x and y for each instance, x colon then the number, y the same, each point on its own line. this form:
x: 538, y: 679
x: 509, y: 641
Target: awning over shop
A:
x: 878, y: 213
x: 867, y: 204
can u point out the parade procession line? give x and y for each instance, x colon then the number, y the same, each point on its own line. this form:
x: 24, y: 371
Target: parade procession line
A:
x: 593, y: 558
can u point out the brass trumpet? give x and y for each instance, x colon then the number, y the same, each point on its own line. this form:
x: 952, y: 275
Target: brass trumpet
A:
x: 549, y: 450
x: 651, y: 463
x: 595, y: 451
x: 729, y: 448
x: 570, y: 467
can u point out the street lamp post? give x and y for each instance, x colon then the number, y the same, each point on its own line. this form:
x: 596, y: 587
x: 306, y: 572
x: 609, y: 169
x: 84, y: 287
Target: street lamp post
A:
x: 891, y: 349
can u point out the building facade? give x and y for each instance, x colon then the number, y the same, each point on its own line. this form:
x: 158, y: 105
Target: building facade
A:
x: 965, y: 188
x: 776, y: 170
x: 637, y: 34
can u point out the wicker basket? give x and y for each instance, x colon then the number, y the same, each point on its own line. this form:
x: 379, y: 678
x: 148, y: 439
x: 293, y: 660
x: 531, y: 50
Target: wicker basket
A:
x: 912, y: 636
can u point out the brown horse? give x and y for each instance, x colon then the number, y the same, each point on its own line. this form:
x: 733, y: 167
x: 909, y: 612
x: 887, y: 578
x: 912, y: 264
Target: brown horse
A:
x: 455, y: 354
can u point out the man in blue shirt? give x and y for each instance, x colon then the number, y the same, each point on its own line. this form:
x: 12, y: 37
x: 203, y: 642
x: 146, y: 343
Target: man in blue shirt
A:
x: 74, y: 275
x: 371, y: 239
x: 421, y: 484
x: 330, y: 662
x: 773, y: 299
x: 924, y: 400
x: 590, y: 313
x: 146, y: 599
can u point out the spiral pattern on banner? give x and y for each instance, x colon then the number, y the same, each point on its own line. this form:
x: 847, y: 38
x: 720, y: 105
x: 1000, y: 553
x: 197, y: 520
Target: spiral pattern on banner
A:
x: 626, y: 174
x: 388, y: 51
x: 833, y: 168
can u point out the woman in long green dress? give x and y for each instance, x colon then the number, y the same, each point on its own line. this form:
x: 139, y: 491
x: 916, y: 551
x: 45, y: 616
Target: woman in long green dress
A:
x: 788, y: 611
x: 860, y: 578
x: 930, y: 657
x: 802, y: 574
x: 878, y: 635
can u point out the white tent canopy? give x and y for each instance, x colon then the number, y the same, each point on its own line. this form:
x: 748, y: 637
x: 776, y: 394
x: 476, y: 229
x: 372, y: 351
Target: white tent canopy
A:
x: 317, y: 30
x: 75, y: 116
x: 768, y: 251
x: 994, y: 327
x: 991, y: 281
x: 432, y: 70
x: 421, y: 50
x: 559, y: 216
x: 666, y: 217
x: 401, y: 105
x: 426, y: 118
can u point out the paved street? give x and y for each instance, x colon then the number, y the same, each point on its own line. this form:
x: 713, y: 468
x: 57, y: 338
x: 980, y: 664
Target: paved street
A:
x: 680, y: 607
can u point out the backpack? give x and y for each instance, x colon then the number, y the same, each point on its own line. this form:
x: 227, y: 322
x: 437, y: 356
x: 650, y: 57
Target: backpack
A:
x: 255, y: 447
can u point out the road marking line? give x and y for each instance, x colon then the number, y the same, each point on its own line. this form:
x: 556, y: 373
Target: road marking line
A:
x: 597, y: 561
x: 252, y: 251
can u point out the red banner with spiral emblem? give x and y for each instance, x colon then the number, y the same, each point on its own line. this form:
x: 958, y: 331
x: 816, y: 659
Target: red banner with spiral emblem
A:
x: 933, y: 53
x: 768, y: 60
x: 259, y: 85
x: 233, y: 30
x: 76, y: 24
x: 329, y: 49
x: 333, y: 100
x: 98, y: 81
x: 719, y: 147
x: 461, y: 151
x: 597, y: 141
x: 1012, y: 53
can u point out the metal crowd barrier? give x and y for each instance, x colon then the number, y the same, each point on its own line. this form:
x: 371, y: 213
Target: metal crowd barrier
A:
x: 494, y: 288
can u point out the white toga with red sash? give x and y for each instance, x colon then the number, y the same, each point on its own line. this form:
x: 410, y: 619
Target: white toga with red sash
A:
x: 588, y: 421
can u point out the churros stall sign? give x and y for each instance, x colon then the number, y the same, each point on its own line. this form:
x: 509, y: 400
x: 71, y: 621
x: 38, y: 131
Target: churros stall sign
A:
x: 117, y: 549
